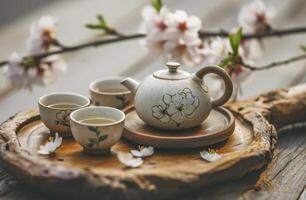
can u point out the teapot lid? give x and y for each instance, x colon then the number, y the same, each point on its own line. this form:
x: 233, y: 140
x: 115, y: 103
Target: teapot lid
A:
x: 172, y: 73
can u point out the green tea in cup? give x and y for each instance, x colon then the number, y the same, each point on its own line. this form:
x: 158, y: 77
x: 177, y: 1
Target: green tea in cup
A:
x: 64, y: 105
x: 97, y: 128
x: 55, y: 109
x: 97, y: 120
x: 109, y: 92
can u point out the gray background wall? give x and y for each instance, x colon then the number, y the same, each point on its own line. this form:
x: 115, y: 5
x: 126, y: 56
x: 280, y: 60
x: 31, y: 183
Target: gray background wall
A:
x: 130, y: 58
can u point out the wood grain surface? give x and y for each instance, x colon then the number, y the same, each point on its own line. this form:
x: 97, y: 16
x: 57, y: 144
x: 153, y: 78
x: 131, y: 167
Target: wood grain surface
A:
x: 283, y: 179
x: 248, y: 187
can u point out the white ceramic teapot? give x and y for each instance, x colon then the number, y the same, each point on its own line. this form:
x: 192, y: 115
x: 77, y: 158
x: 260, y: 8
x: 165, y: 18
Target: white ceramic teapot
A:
x: 174, y: 99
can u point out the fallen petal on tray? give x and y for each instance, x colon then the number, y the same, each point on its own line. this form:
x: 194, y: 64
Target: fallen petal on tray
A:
x: 143, y: 152
x: 128, y: 160
x: 51, y: 146
x: 210, y: 155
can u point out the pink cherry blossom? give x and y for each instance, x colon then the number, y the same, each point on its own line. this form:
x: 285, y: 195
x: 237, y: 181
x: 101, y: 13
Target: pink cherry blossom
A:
x: 256, y: 16
x: 214, y: 51
x: 42, y: 35
x: 24, y: 75
x: 17, y: 74
x: 155, y: 27
x: 175, y: 34
x: 25, y: 72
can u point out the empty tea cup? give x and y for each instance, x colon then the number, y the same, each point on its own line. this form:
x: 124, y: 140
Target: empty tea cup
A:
x: 97, y: 128
x: 109, y: 92
x: 55, y: 109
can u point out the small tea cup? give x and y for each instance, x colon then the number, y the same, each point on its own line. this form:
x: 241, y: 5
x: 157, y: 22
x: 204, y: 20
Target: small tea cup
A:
x: 55, y: 109
x: 109, y: 92
x: 97, y: 128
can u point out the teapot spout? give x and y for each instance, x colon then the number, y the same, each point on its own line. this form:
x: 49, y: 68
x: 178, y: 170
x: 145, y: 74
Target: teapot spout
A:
x: 130, y: 84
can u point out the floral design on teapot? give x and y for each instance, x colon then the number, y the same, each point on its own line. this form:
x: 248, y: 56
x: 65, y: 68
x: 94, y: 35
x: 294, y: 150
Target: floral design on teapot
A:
x: 176, y: 107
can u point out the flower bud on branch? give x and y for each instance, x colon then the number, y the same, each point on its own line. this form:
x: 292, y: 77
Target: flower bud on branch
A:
x: 103, y: 26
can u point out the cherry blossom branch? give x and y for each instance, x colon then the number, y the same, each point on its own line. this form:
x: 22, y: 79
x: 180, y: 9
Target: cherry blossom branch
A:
x: 2, y: 63
x: 120, y: 37
x: 266, y: 34
x: 66, y: 49
x: 275, y: 64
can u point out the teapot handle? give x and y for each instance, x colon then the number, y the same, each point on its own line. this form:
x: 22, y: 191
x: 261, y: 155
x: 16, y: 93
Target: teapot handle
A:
x: 226, y: 78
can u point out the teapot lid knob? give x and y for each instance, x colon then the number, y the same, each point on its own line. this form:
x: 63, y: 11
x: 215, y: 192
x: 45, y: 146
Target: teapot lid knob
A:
x: 172, y: 73
x: 173, y: 66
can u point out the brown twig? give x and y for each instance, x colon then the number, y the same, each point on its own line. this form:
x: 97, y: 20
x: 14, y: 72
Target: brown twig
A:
x: 203, y: 34
x: 66, y: 49
x: 2, y: 63
x: 276, y: 64
x: 270, y: 33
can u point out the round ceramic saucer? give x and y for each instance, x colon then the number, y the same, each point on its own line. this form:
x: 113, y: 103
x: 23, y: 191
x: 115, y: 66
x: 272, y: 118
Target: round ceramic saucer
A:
x: 219, y: 125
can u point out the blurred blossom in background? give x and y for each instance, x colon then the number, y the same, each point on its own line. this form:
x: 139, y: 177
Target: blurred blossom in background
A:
x: 35, y: 26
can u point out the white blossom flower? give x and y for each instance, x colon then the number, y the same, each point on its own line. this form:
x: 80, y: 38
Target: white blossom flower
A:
x: 155, y: 27
x: 51, y: 146
x: 23, y: 75
x: 253, y: 49
x: 42, y: 35
x: 50, y: 67
x: 17, y: 73
x: 175, y: 34
x: 128, y: 160
x: 256, y: 16
x: 183, y: 37
x: 25, y: 72
x: 215, y: 51
x: 180, y: 24
x: 210, y: 155
x: 185, y: 49
x: 154, y: 21
x: 143, y: 151
x: 217, y: 86
x: 239, y: 74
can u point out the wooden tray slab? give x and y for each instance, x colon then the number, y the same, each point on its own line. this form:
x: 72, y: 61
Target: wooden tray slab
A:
x: 74, y: 175
x: 218, y: 127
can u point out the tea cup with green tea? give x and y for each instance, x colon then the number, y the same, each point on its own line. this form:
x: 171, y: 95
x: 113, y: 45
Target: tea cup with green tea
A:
x: 55, y: 109
x: 97, y: 128
x: 109, y: 92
